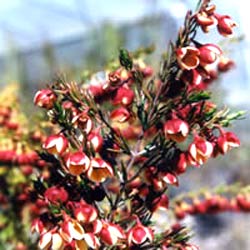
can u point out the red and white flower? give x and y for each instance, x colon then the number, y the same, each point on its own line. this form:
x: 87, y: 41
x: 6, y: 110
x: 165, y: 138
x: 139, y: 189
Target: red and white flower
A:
x: 206, y: 18
x: 45, y: 98
x: 176, y: 129
x: 70, y: 229
x: 111, y: 233
x: 200, y: 150
x: 56, y: 144
x: 169, y: 178
x: 226, y: 141
x: 95, y: 140
x: 99, y: 170
x: 85, y: 213
x: 188, y: 57
x: 77, y: 162
x: 51, y: 240
x: 140, y: 234
x: 120, y: 115
x: 89, y: 241
x: 83, y: 122
x: 124, y: 96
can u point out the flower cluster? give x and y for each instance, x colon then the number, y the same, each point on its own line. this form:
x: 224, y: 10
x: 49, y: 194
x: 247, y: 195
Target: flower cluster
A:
x: 19, y: 162
x: 121, y: 139
x: 213, y: 202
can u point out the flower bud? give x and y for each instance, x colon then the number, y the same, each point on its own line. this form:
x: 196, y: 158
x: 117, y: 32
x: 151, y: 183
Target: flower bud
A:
x: 45, y: 98
x: 56, y: 194
x: 123, y: 96
x: 95, y: 140
x: 120, y: 115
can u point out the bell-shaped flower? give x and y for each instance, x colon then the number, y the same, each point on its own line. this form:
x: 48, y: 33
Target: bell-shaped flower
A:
x: 226, y: 141
x: 77, y: 162
x: 85, y: 213
x: 209, y: 53
x: 188, y: 57
x: 89, y: 241
x: 139, y: 234
x: 56, y: 144
x: 176, y: 130
x: 99, y: 170
x: 200, y: 150
x: 51, y: 241
x: 111, y: 233
x: 83, y: 121
x: 206, y: 18
x: 71, y: 230
x: 225, y: 25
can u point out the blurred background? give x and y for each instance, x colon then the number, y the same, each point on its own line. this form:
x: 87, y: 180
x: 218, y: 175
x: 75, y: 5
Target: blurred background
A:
x: 40, y: 39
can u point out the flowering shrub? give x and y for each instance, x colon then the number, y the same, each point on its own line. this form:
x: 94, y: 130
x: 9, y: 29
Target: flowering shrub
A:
x: 121, y: 139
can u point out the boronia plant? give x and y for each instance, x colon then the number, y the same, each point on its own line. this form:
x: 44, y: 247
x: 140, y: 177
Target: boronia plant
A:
x: 121, y: 139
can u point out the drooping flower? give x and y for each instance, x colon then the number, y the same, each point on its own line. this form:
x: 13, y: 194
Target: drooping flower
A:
x: 70, y: 229
x: 226, y: 141
x: 209, y: 53
x: 111, y: 233
x: 99, y: 170
x: 56, y: 144
x: 225, y: 24
x: 200, y: 150
x: 51, y: 240
x: 77, y: 162
x: 176, y: 130
x: 85, y: 213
